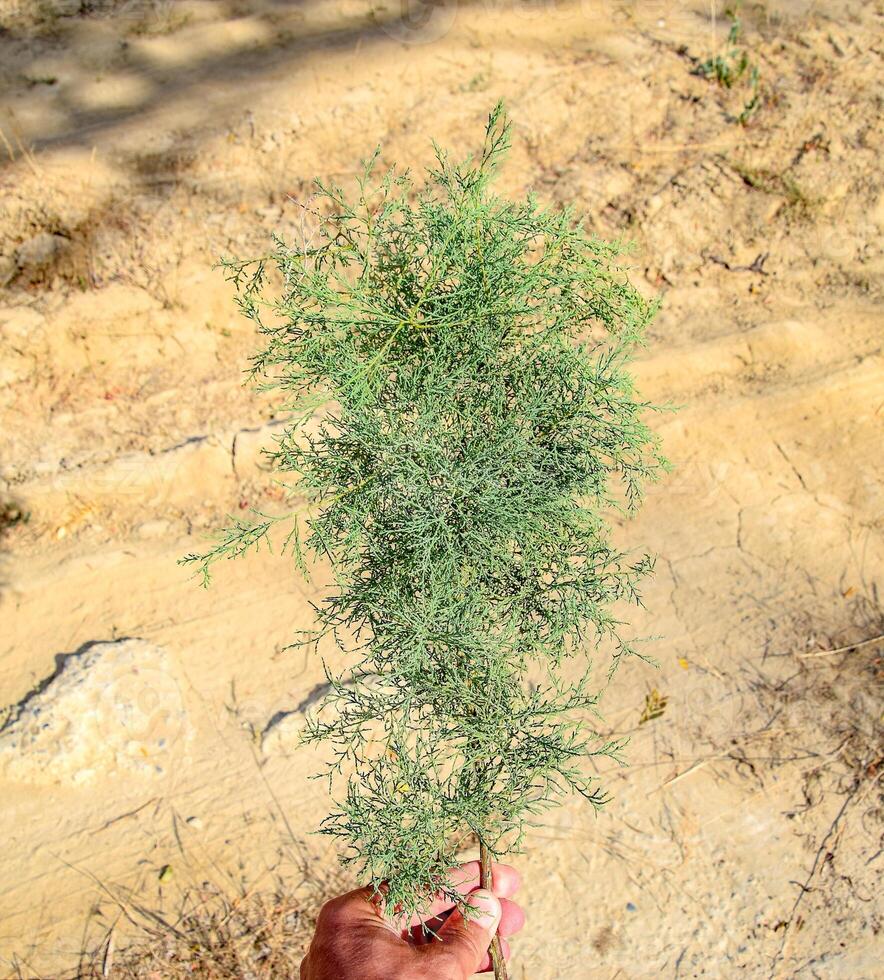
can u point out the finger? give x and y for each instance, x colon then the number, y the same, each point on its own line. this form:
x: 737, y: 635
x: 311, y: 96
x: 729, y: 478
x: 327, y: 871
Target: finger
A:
x: 425, y: 931
x: 349, y: 929
x: 464, y: 941
x: 487, y: 966
x: 512, y: 918
x: 362, y: 905
x: 505, y: 882
x: 464, y: 879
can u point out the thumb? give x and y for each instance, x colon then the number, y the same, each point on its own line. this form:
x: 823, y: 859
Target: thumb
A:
x: 465, y: 938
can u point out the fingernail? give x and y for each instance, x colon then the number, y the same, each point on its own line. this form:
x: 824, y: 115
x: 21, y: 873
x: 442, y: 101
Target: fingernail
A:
x: 486, y: 908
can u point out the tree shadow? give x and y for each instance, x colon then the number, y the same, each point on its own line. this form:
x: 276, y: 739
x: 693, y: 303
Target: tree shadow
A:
x: 159, y: 72
x: 143, y: 90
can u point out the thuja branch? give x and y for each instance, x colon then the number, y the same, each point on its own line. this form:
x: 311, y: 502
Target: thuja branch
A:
x: 478, y: 421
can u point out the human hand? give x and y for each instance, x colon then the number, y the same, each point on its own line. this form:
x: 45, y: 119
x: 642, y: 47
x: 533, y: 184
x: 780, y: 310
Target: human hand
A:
x: 356, y: 940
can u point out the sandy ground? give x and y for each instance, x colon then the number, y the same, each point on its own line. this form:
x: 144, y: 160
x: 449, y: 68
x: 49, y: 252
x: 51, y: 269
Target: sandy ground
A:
x: 143, y: 140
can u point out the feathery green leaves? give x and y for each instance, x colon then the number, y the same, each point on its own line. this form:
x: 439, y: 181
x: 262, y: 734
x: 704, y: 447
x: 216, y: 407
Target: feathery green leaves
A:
x: 467, y: 417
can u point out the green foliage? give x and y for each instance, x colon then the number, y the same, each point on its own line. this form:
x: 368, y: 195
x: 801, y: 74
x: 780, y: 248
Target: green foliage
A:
x: 462, y: 363
x: 728, y: 67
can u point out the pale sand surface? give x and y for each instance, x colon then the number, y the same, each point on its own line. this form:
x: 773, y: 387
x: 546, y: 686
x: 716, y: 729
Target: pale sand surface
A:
x: 158, y: 136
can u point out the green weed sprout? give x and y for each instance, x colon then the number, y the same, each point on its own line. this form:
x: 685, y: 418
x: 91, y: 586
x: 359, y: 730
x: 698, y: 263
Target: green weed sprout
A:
x: 461, y: 360
x: 728, y: 67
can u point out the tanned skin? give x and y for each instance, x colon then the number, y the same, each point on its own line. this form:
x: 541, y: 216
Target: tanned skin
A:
x: 356, y: 940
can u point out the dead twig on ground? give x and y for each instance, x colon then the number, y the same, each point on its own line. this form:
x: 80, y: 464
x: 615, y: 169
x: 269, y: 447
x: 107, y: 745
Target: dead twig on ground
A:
x: 842, y: 649
x: 756, y: 266
x: 804, y: 887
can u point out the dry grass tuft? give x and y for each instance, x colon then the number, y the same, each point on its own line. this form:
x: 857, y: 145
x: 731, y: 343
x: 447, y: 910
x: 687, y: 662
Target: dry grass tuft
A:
x: 214, y: 936
x: 216, y: 933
